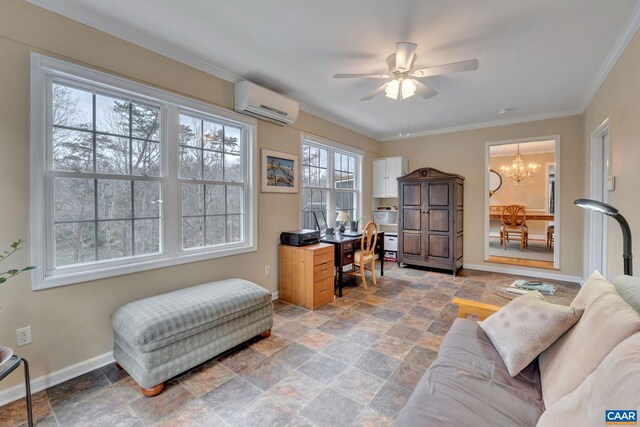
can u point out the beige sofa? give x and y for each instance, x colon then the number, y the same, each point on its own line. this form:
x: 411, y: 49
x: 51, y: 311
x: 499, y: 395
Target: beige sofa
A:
x: 593, y: 367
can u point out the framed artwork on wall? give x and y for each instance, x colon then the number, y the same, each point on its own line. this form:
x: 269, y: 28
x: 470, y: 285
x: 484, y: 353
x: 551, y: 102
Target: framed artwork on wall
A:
x: 279, y: 172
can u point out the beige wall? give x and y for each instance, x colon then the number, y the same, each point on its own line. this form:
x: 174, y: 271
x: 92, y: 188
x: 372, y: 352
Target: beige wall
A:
x: 71, y: 323
x: 463, y: 153
x: 619, y: 100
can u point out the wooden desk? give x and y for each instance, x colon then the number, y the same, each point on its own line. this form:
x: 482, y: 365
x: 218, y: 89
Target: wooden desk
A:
x: 345, y: 249
x: 530, y: 217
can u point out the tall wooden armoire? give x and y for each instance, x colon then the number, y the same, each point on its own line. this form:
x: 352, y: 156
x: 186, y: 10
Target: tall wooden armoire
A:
x: 430, y: 224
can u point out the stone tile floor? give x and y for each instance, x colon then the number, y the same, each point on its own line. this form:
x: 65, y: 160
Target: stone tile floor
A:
x: 353, y: 362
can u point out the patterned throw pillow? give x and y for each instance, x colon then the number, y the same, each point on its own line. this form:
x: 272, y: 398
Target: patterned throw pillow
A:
x: 525, y: 327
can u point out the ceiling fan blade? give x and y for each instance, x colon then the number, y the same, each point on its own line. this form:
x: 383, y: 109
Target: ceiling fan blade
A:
x: 361, y: 76
x: 424, y: 91
x: 456, y: 67
x: 375, y: 92
x: 405, y: 52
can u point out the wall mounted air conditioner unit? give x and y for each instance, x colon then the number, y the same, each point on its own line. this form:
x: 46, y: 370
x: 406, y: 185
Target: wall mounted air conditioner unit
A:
x: 257, y: 101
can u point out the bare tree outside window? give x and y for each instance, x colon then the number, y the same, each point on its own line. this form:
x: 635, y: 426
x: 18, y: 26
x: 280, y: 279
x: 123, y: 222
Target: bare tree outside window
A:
x: 112, y: 212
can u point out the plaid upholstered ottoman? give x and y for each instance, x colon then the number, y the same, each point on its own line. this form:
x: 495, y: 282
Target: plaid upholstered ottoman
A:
x: 160, y: 337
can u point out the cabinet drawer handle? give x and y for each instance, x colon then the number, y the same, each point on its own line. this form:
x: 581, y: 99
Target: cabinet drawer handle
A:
x: 349, y: 256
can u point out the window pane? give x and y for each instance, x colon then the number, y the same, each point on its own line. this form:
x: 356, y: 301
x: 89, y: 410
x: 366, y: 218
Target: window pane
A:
x: 114, y: 199
x: 315, y: 156
x: 146, y: 200
x: 232, y: 168
x: 213, y: 166
x: 215, y: 230
x: 147, y: 236
x: 234, y: 199
x: 306, y: 176
x: 192, y: 199
x: 74, y: 243
x: 213, y: 135
x: 305, y: 155
x: 234, y: 228
x: 73, y: 199
x: 112, y: 115
x: 192, y: 232
x: 232, y: 139
x: 346, y: 201
x: 146, y: 158
x: 215, y: 199
x: 112, y: 154
x: 72, y: 150
x: 72, y: 107
x: 190, y: 131
x: 145, y: 121
x: 313, y: 200
x: 190, y: 163
x: 114, y: 239
x: 323, y: 159
x: 352, y: 164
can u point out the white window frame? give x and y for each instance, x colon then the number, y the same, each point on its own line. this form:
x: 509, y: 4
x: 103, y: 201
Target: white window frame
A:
x: 332, y: 147
x: 43, y: 69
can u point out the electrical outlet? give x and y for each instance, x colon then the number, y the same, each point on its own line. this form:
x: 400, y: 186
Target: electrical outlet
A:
x: 267, y: 270
x: 23, y: 336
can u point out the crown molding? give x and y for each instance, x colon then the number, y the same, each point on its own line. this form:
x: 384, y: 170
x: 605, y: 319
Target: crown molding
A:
x: 62, y: 7
x: 481, y: 125
x: 615, y: 54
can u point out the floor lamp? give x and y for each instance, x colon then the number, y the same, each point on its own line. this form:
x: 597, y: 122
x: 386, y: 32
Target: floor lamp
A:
x: 609, y: 210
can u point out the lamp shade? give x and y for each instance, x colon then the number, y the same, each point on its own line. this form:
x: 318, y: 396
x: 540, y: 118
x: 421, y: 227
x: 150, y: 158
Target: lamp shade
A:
x: 342, y: 216
x: 597, y: 206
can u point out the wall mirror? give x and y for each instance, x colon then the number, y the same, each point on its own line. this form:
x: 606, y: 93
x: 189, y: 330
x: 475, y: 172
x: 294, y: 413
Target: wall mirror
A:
x: 521, y: 204
x: 495, y: 181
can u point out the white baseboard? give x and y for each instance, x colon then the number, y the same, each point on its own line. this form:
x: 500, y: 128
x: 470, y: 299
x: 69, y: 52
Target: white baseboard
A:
x: 530, y: 273
x: 275, y: 296
x: 54, y: 378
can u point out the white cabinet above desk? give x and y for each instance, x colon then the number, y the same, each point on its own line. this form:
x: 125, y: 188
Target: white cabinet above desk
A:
x: 385, y: 173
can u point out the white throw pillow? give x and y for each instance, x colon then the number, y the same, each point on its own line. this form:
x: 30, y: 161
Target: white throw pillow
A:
x: 525, y: 327
x: 613, y: 385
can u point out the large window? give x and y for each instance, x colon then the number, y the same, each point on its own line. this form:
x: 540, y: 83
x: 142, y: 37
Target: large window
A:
x: 330, y: 182
x: 127, y: 178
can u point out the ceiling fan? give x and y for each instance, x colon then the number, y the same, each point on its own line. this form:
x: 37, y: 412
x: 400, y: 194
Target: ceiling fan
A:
x: 404, y: 83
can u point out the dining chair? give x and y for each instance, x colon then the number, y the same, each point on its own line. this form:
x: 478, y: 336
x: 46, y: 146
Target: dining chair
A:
x: 550, y: 232
x: 514, y: 222
x: 366, y: 253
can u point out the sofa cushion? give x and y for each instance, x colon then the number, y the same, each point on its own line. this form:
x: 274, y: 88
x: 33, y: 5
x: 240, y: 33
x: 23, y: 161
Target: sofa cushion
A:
x: 595, y: 286
x: 526, y: 326
x: 469, y: 385
x: 155, y: 322
x: 607, y: 321
x: 613, y: 385
x: 628, y: 287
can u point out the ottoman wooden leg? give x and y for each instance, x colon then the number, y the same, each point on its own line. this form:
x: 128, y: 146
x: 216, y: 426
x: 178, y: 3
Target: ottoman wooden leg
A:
x: 154, y: 391
x: 119, y: 366
x: 266, y: 334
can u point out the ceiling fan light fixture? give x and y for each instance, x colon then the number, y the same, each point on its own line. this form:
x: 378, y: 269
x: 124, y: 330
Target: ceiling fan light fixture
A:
x: 392, y: 89
x: 408, y: 88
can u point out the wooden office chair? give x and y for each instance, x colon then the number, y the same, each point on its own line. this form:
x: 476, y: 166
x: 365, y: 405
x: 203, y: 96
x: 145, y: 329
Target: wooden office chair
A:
x: 366, y: 253
x: 514, y: 221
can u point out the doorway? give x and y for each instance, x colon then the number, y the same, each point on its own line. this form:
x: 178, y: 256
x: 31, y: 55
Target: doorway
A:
x: 599, y: 191
x: 522, y: 202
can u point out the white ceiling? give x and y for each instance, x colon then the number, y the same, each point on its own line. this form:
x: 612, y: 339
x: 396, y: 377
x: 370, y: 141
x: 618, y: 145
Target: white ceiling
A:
x: 542, y: 58
x: 525, y: 147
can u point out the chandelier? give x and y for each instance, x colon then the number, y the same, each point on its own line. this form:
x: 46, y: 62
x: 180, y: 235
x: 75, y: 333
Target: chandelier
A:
x: 519, y: 171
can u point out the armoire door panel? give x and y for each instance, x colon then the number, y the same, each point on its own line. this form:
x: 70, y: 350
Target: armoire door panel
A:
x: 459, y: 195
x: 438, y: 246
x: 438, y: 220
x: 411, y: 195
x: 438, y: 194
x: 411, y: 219
x: 411, y: 243
x: 459, y: 221
x: 459, y: 246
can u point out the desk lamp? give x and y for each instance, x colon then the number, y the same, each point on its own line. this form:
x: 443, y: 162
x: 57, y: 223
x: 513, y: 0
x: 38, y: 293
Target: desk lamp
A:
x: 342, y: 218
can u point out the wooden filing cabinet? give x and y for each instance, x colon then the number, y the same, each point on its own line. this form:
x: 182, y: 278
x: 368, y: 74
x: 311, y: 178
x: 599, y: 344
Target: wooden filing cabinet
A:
x: 306, y: 275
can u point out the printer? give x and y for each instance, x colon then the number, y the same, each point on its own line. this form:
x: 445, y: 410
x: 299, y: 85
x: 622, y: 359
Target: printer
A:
x: 300, y: 237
